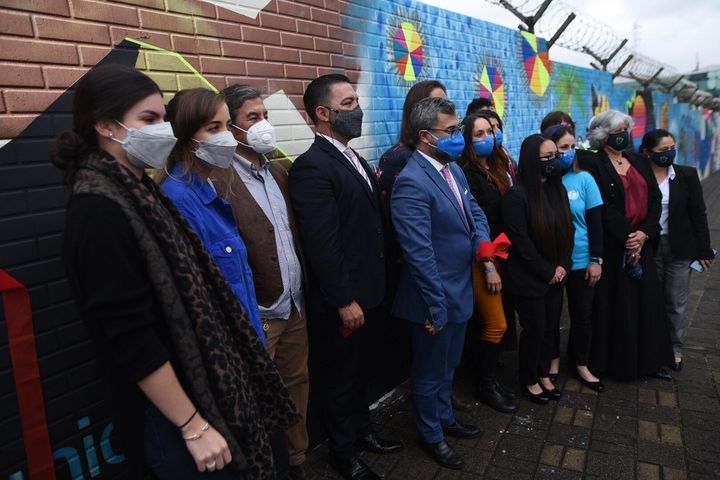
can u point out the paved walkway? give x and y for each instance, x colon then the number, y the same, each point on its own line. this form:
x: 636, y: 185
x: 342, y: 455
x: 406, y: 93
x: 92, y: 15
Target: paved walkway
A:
x: 650, y: 429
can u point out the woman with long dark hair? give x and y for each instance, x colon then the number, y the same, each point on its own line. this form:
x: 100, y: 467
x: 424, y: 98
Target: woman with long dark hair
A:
x: 486, y: 170
x: 684, y: 231
x: 630, y: 338
x: 537, y: 221
x: 191, y: 387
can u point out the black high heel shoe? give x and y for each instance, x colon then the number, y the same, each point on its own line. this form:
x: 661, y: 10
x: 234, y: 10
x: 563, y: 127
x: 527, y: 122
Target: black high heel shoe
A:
x: 596, y: 386
x: 553, y: 394
x: 539, y: 398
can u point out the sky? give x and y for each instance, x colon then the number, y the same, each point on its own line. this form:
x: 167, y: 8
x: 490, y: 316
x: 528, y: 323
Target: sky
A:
x: 670, y: 31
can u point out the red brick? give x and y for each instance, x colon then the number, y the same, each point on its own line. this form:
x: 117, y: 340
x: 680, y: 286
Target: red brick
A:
x: 315, y: 58
x: 226, y: 66
x: 258, y: 35
x: 158, y: 4
x: 353, y: 75
x: 62, y: 77
x: 166, y: 21
x: 231, y: 16
x: 16, y: 23
x: 279, y: 54
x: 39, y: 51
x: 12, y: 125
x: 277, y: 22
x: 19, y: 75
x: 293, y: 8
x: 259, y: 83
x: 194, y: 7
x: 23, y: 101
x: 196, y: 45
x: 213, y: 28
x: 352, y: 50
x: 105, y: 12
x: 298, y: 41
x: 2, y: 104
x: 92, y: 55
x: 50, y: 27
x: 326, y: 71
x: 341, y: 61
x: 288, y: 86
x: 335, y: 5
x: 326, y: 45
x: 53, y: 7
x: 300, y: 71
x: 242, y: 50
x: 158, y: 39
x: 312, y: 28
x: 339, y: 33
x: 325, y: 16
x: 265, y: 69
x: 317, y: 3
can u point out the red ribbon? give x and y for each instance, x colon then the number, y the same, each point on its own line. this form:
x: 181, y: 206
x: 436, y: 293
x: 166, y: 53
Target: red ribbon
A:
x: 496, y: 248
x: 21, y: 339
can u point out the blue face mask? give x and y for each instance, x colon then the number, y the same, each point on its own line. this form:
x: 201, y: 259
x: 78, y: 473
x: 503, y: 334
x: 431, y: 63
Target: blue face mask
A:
x: 452, y: 145
x: 484, y: 147
x: 498, y: 137
x: 619, y: 141
x: 566, y: 159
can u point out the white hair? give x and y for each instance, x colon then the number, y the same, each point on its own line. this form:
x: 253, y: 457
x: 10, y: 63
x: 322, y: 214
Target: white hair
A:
x: 603, y: 123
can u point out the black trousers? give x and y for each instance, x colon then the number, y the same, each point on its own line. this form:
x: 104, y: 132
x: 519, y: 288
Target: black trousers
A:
x: 342, y: 381
x: 539, y: 318
x: 580, y: 299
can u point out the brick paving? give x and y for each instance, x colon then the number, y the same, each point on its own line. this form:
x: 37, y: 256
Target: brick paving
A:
x: 646, y: 430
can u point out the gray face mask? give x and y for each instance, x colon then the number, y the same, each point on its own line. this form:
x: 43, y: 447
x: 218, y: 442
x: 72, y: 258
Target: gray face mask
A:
x: 348, y: 123
x: 149, y: 146
x: 217, y: 151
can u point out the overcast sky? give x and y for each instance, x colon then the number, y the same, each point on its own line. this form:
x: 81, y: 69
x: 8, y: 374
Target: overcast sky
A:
x: 670, y: 31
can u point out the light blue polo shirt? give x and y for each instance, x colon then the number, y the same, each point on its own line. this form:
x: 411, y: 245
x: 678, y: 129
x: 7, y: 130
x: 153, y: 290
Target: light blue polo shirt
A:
x: 583, y: 194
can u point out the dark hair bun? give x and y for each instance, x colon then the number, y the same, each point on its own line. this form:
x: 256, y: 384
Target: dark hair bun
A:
x: 70, y: 149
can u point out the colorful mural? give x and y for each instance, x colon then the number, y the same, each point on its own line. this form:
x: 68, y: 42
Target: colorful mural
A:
x: 536, y: 60
x: 491, y: 86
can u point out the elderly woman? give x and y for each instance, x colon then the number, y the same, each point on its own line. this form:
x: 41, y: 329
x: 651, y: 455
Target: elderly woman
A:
x: 630, y: 337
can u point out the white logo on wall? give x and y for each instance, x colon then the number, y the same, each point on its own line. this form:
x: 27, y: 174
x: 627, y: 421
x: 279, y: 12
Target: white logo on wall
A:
x: 573, y: 195
x: 249, y: 8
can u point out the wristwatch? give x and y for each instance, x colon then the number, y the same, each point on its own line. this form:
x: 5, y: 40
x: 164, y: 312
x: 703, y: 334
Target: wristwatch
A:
x: 597, y: 260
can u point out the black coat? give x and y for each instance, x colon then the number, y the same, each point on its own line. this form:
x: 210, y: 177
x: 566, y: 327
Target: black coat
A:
x: 488, y: 196
x: 687, y: 218
x: 342, y: 228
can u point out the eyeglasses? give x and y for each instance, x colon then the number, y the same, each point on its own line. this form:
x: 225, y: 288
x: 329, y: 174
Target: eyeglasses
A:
x: 452, y: 131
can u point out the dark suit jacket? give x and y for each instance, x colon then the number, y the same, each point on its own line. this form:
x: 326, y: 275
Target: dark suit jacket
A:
x: 687, y: 217
x: 616, y: 227
x: 342, y: 229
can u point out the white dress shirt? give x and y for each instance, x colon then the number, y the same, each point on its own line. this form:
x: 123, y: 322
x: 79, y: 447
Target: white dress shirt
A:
x: 665, y: 191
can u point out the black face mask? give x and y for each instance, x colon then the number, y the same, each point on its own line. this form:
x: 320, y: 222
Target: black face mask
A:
x: 618, y: 141
x: 348, y: 123
x: 663, y: 159
x: 552, y: 168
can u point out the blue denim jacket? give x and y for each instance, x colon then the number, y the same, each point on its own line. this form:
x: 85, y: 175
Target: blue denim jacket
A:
x: 212, y: 219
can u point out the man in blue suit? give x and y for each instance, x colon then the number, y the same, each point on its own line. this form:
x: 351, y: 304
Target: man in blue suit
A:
x: 439, y: 226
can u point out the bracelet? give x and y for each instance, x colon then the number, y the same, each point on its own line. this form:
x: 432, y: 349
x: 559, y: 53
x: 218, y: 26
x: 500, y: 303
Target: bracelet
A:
x: 490, y: 270
x: 198, y: 435
x: 189, y: 420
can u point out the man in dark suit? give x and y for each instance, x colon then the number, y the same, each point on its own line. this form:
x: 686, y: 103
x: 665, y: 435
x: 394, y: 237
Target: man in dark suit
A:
x: 340, y: 219
x: 440, y: 227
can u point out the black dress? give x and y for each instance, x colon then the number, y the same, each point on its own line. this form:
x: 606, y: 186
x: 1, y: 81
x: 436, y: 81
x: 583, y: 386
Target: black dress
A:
x: 630, y: 337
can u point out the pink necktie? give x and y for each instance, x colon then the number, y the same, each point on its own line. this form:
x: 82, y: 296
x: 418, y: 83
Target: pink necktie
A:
x: 447, y: 176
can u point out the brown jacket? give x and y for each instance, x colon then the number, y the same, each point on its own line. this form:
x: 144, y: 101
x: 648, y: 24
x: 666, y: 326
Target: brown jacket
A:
x: 257, y: 231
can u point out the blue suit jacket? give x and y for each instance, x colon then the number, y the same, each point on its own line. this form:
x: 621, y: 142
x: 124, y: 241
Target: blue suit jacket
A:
x: 438, y: 244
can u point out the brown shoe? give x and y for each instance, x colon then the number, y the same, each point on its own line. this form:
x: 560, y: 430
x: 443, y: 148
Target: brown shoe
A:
x: 298, y: 472
x: 459, y: 402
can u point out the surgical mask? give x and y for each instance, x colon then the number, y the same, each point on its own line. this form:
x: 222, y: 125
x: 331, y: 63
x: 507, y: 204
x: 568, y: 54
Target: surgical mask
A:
x: 260, y: 136
x: 484, y: 147
x: 452, y: 145
x: 348, y: 123
x: 566, y: 159
x: 218, y: 150
x: 663, y: 159
x: 149, y: 146
x: 498, y: 137
x: 551, y: 168
x: 618, y: 141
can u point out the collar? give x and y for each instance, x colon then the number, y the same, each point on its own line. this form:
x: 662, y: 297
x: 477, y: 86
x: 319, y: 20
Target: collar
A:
x: 248, y: 167
x: 432, y: 161
x: 336, y: 143
x: 202, y: 188
x: 671, y: 173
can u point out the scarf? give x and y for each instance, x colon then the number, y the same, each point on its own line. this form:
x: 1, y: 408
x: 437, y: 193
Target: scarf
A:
x: 230, y: 377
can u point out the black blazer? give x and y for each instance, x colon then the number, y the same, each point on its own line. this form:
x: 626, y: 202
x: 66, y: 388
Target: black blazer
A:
x: 527, y: 272
x: 615, y: 226
x: 687, y: 218
x: 487, y: 195
x: 342, y: 228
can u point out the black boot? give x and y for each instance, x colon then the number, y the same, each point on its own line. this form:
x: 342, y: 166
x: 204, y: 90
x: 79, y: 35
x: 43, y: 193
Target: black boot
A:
x: 489, y: 390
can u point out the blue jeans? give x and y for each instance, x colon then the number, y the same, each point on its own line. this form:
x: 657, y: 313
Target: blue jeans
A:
x: 167, y: 456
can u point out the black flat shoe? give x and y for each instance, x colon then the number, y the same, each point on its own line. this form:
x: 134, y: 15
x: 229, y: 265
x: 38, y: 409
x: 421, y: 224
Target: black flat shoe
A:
x: 553, y: 394
x: 539, y: 398
x: 443, y: 454
x: 352, y: 468
x: 461, y: 430
x: 662, y: 374
x: 374, y: 444
x: 492, y: 395
x: 676, y: 366
x: 553, y: 377
x: 596, y: 386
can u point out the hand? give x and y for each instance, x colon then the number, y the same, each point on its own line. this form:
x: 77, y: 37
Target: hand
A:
x: 593, y: 274
x: 706, y: 263
x: 352, y: 316
x: 432, y: 330
x: 635, y: 241
x: 209, y: 448
x: 559, y: 275
x: 492, y: 279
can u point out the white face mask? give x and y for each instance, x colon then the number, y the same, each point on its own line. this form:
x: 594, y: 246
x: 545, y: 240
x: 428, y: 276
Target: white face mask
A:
x: 218, y: 150
x: 149, y: 146
x: 260, y: 137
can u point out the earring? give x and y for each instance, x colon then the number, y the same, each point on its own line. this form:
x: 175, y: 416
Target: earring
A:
x: 110, y: 135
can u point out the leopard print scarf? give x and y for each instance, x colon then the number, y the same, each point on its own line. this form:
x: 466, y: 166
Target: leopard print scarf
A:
x: 231, y: 378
